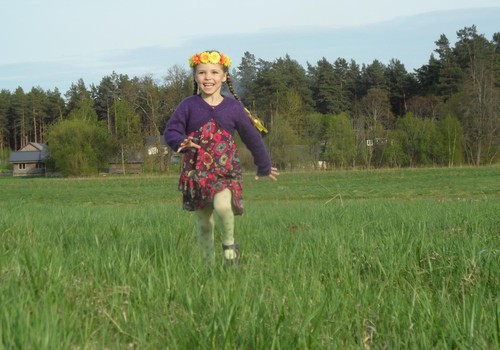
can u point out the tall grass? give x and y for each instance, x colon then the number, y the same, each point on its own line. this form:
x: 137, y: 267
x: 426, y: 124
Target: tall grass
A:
x: 382, y: 259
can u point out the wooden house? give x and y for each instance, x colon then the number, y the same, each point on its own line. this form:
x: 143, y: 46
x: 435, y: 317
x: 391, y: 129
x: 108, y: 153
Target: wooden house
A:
x: 29, y: 160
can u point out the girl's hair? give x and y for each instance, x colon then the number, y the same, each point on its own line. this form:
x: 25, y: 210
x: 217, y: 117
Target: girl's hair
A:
x: 195, y: 90
x: 229, y: 84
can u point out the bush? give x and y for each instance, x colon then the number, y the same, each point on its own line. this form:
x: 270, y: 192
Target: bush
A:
x: 79, y: 147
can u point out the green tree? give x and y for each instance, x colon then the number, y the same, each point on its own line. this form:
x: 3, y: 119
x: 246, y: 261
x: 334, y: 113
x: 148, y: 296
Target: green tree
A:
x: 292, y: 109
x: 148, y: 105
x: 449, y: 141
x: 496, y: 43
x: 430, y: 106
x: 79, y: 147
x: 315, y: 135
x: 55, y: 106
x: 76, y: 92
x: 84, y: 110
x: 4, y: 120
x: 127, y: 123
x: 19, y: 119
x: 373, y: 76
x: 450, y: 73
x: 341, y: 142
x: 38, y: 105
x: 401, y: 86
x: 104, y: 95
x: 428, y: 77
x: 282, y: 143
x: 80, y: 144
x: 272, y: 82
x: 375, y: 107
x: 417, y: 138
x: 342, y: 74
x: 323, y: 89
x: 381, y: 135
x: 329, y: 87
x: 479, y: 105
x: 354, y: 84
x: 395, y: 154
x: 178, y: 83
x: 245, y: 75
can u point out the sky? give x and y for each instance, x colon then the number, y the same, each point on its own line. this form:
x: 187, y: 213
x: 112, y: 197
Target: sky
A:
x: 52, y: 43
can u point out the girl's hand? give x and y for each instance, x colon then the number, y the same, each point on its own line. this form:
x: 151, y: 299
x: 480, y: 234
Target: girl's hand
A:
x: 272, y: 176
x: 187, y: 143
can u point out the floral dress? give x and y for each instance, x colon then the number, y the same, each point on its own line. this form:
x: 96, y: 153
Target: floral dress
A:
x: 211, y: 169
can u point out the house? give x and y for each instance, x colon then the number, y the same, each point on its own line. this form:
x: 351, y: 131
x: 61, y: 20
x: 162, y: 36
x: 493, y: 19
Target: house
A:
x: 29, y: 160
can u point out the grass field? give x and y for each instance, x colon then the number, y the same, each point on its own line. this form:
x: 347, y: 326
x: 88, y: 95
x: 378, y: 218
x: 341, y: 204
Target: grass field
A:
x: 396, y: 259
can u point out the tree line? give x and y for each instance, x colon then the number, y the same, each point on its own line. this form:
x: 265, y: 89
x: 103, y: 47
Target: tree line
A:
x: 334, y: 113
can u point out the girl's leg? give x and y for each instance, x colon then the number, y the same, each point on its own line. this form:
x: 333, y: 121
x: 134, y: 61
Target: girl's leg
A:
x: 224, y: 210
x: 206, y: 233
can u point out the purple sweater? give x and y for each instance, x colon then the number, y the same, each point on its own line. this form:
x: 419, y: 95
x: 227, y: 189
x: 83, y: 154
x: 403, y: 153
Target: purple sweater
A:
x: 193, y: 112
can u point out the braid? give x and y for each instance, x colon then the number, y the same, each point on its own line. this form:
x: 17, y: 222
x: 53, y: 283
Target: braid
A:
x: 195, y: 90
x: 255, y: 120
x: 230, y: 87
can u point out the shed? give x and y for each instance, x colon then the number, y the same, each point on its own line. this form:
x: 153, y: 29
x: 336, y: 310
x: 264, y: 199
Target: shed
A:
x: 29, y: 160
x: 155, y: 144
x: 133, y: 163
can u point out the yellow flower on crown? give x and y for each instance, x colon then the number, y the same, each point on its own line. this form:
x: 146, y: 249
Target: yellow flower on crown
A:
x: 213, y: 57
x: 204, y: 57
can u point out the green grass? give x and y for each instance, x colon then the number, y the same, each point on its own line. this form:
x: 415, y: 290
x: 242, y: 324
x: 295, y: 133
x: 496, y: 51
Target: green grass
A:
x: 380, y: 259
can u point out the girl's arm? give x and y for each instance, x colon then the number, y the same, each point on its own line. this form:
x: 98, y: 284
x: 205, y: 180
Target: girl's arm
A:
x: 253, y: 140
x: 175, y: 131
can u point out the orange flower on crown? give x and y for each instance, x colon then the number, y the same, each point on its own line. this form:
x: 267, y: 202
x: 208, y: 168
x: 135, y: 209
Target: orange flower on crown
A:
x: 193, y: 61
x: 224, y: 60
x: 213, y: 57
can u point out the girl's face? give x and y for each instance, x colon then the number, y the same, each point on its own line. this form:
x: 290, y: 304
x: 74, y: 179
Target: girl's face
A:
x: 210, y: 78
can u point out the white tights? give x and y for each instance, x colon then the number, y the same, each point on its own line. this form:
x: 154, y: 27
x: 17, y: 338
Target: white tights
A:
x: 222, y: 205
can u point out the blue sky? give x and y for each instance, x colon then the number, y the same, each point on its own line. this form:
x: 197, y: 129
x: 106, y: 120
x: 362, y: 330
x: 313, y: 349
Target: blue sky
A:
x: 52, y: 43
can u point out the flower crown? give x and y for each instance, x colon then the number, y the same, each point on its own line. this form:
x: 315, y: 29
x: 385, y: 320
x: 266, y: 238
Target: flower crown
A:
x: 213, y: 57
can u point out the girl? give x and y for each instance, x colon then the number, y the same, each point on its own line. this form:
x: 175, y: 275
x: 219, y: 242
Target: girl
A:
x: 202, y: 128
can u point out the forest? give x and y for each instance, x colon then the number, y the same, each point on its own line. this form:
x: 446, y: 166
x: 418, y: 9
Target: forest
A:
x: 336, y: 114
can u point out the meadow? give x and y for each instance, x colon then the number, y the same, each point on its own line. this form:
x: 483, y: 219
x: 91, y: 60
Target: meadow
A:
x: 385, y: 259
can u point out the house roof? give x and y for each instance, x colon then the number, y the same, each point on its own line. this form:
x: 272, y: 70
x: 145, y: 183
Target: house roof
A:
x: 40, y: 146
x: 33, y: 146
x: 26, y: 156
